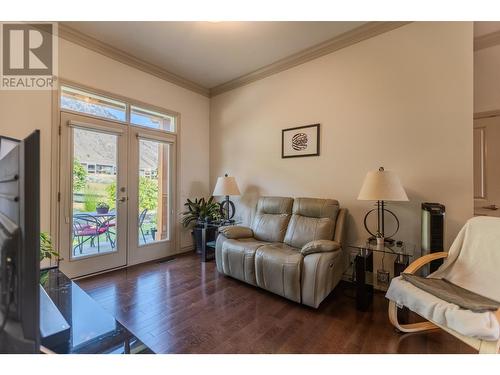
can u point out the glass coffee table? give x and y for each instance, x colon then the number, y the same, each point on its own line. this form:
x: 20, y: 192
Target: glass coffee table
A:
x: 399, y: 254
x: 89, y: 329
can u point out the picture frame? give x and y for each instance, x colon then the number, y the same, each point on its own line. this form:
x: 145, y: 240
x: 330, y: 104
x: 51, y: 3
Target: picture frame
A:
x: 300, y: 141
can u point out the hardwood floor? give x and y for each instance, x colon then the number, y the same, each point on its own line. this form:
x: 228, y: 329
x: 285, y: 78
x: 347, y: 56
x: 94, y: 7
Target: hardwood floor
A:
x: 185, y: 306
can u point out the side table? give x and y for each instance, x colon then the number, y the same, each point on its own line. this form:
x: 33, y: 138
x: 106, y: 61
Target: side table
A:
x: 363, y: 252
x: 208, y: 247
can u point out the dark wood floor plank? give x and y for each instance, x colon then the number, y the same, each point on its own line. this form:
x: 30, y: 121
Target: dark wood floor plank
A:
x: 185, y: 306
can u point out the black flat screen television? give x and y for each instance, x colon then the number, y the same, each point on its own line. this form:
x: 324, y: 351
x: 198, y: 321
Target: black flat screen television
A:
x: 20, y: 244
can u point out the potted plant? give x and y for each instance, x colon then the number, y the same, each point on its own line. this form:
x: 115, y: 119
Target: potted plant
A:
x: 46, y: 252
x: 46, y: 248
x: 199, y: 213
x: 102, y: 208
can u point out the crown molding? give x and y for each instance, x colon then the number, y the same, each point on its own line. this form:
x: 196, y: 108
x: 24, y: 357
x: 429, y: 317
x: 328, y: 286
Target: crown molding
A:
x: 363, y: 32
x: 487, y: 40
x: 105, y: 49
x: 486, y: 114
x: 344, y: 40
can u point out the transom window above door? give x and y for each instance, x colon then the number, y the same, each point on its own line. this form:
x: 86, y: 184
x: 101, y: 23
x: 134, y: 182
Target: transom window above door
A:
x: 151, y: 119
x: 92, y: 104
x: 83, y: 101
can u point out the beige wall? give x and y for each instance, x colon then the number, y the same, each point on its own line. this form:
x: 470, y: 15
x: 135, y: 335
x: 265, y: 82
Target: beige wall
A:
x: 402, y: 100
x: 23, y: 111
x: 487, y: 79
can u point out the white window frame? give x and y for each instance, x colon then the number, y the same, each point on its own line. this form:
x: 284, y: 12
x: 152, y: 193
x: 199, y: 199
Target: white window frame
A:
x: 55, y: 148
x: 129, y: 103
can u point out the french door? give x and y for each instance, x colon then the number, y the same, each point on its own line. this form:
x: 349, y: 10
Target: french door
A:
x: 117, y: 193
x: 151, y: 191
x: 486, y: 161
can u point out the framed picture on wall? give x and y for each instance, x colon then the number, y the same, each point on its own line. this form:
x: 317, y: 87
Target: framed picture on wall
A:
x: 300, y: 141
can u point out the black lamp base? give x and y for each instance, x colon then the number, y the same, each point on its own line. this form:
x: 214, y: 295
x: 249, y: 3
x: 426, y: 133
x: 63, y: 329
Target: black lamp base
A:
x: 227, y: 209
x: 381, y: 210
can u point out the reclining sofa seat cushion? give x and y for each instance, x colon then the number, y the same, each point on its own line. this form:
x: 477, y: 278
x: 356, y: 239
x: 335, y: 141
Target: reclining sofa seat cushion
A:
x: 238, y: 258
x: 268, y: 226
x: 279, y: 267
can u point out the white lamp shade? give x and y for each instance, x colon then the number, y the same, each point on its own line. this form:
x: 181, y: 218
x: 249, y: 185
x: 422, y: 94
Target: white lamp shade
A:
x: 382, y: 185
x: 226, y: 186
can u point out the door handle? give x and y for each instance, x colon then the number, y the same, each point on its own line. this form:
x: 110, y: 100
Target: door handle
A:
x: 123, y: 199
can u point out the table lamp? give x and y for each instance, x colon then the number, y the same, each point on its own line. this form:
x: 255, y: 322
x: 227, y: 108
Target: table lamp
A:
x: 382, y: 186
x: 226, y: 186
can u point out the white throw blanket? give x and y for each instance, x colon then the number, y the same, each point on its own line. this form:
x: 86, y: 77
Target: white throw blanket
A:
x: 474, y: 258
x: 474, y: 264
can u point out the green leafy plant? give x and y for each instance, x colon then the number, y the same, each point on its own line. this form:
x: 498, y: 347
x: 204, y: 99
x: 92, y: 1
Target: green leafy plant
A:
x: 46, y: 252
x: 102, y: 205
x: 79, y: 176
x: 148, y: 193
x: 200, y: 210
x: 89, y: 200
x: 46, y: 248
x: 111, y: 191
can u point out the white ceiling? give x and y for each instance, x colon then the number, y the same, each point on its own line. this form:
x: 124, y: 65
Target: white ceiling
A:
x: 212, y: 53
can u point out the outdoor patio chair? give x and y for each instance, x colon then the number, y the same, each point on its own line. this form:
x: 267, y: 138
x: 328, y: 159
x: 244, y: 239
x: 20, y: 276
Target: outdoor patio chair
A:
x: 142, y: 216
x: 87, y: 228
x: 109, y: 224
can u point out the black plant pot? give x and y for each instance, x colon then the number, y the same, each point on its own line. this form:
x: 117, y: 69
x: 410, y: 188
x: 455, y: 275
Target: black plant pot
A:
x: 102, y: 210
x: 211, y: 235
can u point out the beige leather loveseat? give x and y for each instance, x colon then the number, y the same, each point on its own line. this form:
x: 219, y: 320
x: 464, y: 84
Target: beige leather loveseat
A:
x: 293, y: 248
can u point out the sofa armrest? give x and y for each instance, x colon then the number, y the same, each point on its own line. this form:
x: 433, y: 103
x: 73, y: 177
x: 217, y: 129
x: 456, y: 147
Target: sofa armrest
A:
x: 319, y: 246
x: 340, y: 226
x: 236, y: 231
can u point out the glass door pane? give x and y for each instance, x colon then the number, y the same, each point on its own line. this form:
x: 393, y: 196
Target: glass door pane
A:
x: 94, y: 222
x: 94, y: 203
x: 153, y: 192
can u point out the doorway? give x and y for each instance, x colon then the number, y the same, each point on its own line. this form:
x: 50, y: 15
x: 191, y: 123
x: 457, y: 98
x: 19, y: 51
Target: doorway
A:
x: 486, y: 162
x: 117, y: 194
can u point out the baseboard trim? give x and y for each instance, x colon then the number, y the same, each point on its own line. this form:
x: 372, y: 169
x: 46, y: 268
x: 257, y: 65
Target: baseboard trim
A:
x: 183, y: 251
